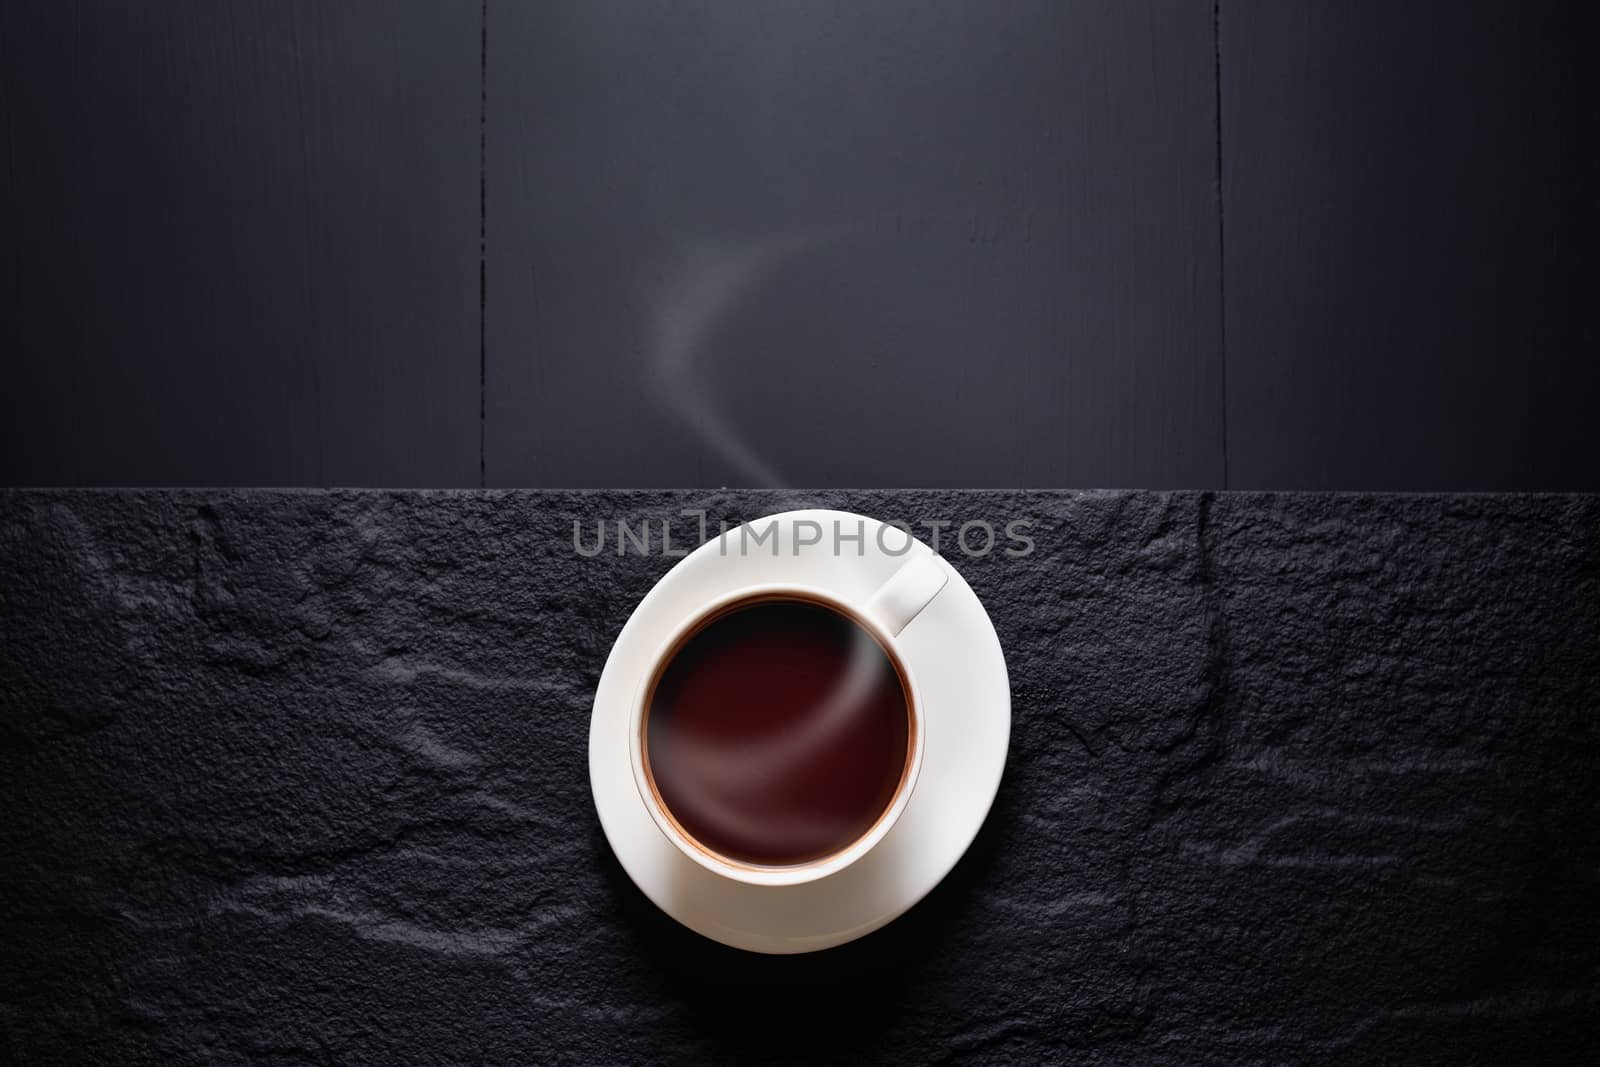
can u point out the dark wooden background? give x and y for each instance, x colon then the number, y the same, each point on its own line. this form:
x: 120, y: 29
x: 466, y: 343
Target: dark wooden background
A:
x: 1155, y: 243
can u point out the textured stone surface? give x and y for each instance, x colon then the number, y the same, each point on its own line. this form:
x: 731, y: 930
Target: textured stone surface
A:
x: 302, y: 777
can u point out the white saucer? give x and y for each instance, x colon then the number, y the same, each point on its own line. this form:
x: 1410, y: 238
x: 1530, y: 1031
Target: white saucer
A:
x: 952, y: 650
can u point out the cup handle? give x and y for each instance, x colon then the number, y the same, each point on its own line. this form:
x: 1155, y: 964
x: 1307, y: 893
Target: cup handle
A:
x: 907, y: 592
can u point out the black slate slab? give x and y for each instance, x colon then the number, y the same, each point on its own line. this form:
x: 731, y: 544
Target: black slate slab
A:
x: 300, y: 776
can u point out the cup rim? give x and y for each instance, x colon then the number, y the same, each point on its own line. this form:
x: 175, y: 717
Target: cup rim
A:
x: 756, y: 874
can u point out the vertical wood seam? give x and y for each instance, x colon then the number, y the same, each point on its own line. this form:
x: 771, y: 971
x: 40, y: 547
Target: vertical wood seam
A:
x: 1222, y: 253
x: 483, y: 242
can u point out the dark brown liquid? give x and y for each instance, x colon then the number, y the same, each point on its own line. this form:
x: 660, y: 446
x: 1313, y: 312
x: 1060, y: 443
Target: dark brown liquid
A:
x: 778, y: 733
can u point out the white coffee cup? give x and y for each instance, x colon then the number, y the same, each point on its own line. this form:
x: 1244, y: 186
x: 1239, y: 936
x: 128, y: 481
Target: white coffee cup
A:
x: 883, y: 615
